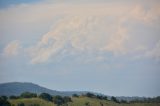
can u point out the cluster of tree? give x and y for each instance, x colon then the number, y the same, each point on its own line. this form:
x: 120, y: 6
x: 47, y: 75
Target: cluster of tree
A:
x: 114, y: 99
x: 28, y: 95
x: 24, y: 95
x: 4, y: 101
x: 46, y: 96
x: 147, y: 100
x: 154, y: 100
x: 144, y: 100
x: 59, y: 100
x: 91, y: 95
x: 75, y: 95
x: 101, y: 97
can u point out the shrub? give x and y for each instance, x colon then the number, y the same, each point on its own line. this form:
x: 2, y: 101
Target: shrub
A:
x: 58, y: 100
x: 67, y: 99
x: 4, y: 102
x: 75, y: 95
x: 46, y: 96
x: 102, y: 97
x: 28, y: 95
x: 91, y: 95
x: 14, y: 97
x: 4, y: 97
x: 114, y: 99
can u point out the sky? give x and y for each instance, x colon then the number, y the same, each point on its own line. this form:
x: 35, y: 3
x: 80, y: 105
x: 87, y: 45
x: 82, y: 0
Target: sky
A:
x: 106, y: 46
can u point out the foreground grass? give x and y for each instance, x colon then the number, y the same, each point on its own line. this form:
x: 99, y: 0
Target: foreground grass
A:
x: 31, y: 101
x: 80, y: 101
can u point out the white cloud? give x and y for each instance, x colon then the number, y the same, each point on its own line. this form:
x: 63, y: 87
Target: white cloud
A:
x: 82, y: 33
x: 90, y: 32
x: 117, y: 42
x: 83, y: 28
x: 12, y: 49
x: 145, y: 15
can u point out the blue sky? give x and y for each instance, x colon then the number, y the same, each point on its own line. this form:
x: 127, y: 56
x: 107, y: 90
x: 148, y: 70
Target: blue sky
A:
x: 7, y: 3
x: 110, y: 47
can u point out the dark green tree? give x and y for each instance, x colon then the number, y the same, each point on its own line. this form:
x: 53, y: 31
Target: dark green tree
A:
x: 14, y: 97
x: 28, y: 95
x: 58, y: 100
x: 46, y: 96
x: 101, y: 97
x: 75, y: 95
x: 114, y: 99
x: 91, y: 95
x: 4, y: 101
x: 67, y: 99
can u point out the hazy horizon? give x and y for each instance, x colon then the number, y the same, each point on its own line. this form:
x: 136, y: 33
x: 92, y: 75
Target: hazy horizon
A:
x: 106, y: 46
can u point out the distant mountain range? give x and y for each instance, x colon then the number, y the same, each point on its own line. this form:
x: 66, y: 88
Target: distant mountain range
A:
x: 16, y: 88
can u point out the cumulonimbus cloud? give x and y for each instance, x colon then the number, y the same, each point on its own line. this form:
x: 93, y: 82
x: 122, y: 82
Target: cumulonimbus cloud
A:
x: 95, y: 33
x: 89, y: 28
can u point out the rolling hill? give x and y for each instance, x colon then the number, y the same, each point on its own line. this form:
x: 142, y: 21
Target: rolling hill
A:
x: 16, y: 88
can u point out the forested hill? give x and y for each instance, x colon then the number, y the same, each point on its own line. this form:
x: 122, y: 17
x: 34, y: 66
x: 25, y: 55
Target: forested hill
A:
x: 16, y: 88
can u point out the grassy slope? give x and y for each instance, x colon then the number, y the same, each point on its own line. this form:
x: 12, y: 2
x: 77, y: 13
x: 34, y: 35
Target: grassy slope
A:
x: 78, y: 102
x: 96, y: 102
x: 30, y: 101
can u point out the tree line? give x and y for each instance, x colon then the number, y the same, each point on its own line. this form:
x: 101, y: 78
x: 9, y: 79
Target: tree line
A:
x: 60, y: 100
x: 116, y: 100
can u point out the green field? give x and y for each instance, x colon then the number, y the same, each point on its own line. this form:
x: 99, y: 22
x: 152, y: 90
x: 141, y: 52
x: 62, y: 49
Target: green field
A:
x: 77, y: 101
